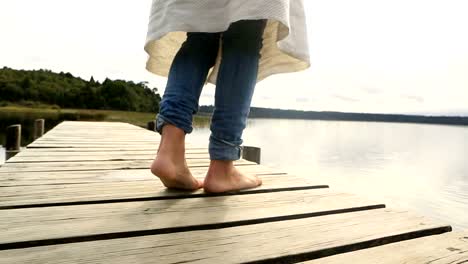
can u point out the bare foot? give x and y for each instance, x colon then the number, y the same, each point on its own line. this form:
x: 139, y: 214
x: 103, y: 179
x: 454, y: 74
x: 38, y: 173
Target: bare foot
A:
x: 170, y: 164
x: 222, y: 176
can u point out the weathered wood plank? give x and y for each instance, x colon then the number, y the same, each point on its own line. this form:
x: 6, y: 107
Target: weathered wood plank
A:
x: 80, y: 131
x: 58, y: 151
x: 97, y: 140
x: 106, y: 176
x: 276, y: 242
x: 93, y: 157
x: 94, y: 134
x: 96, y: 131
x: 33, y: 153
x: 108, y: 139
x: 99, y: 130
x: 88, y: 133
x: 23, y: 227
x: 101, y: 192
x: 149, y: 145
x: 90, y: 144
x: 449, y: 248
x: 96, y: 165
x: 94, y: 124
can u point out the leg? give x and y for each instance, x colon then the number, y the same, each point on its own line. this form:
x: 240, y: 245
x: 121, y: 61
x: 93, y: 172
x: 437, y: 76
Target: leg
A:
x: 180, y: 101
x: 234, y: 90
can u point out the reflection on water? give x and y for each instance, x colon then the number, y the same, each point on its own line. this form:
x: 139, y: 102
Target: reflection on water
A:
x: 420, y: 167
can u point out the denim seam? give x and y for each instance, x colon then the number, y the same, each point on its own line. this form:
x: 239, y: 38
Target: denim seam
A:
x: 162, y: 120
x: 228, y: 146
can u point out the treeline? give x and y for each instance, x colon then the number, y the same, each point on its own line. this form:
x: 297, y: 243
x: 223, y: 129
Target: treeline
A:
x: 257, y: 112
x: 67, y: 91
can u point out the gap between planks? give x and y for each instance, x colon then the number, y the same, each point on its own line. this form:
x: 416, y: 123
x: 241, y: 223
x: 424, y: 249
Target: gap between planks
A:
x: 287, y: 241
x: 98, y: 165
x: 122, y: 185
x: 12, y: 179
x: 448, y: 248
x: 80, y: 223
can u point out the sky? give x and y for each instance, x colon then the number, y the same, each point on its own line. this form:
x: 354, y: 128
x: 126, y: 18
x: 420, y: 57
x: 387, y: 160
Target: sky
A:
x: 372, y: 56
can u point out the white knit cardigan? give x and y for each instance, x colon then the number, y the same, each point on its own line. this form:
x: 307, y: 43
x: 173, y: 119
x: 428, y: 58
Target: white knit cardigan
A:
x: 285, y: 47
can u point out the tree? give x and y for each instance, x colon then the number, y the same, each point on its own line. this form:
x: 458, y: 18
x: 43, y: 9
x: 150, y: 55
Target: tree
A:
x: 66, y: 90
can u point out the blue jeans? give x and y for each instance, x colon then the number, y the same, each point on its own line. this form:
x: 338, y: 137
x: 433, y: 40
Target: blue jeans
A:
x: 235, y: 84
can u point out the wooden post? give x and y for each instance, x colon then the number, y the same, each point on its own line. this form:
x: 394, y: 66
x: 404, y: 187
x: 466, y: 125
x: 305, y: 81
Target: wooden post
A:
x: 152, y: 125
x: 251, y: 154
x: 38, y: 128
x: 13, y: 140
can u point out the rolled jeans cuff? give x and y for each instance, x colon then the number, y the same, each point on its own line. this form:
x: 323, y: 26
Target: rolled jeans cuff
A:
x: 224, y: 150
x: 162, y: 120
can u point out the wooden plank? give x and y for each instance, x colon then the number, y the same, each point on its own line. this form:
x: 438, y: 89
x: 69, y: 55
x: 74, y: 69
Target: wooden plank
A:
x: 74, y: 135
x: 90, y: 144
x: 107, y: 140
x: 102, y: 123
x: 80, y: 132
x: 449, y: 248
x: 100, y: 129
x: 101, y: 192
x: 94, y: 124
x: 83, y: 147
x: 106, y: 176
x: 64, y: 223
x: 97, y: 165
x: 54, y: 153
x: 95, y: 134
x: 93, y: 157
x: 273, y: 242
x: 112, y: 139
x: 58, y: 151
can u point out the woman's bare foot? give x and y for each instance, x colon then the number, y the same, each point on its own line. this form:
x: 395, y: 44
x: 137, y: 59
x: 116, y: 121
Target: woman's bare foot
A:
x: 170, y: 164
x: 222, y: 176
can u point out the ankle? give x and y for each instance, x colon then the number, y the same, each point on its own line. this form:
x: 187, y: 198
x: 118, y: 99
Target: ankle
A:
x: 172, y: 140
x: 170, y: 130
x: 220, y: 168
x: 221, y: 164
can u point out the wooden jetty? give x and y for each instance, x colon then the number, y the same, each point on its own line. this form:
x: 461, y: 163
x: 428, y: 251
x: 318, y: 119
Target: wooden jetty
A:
x: 83, y: 193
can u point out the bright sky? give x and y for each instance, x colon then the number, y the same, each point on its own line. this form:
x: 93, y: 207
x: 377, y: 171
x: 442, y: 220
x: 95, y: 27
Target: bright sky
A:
x: 399, y: 56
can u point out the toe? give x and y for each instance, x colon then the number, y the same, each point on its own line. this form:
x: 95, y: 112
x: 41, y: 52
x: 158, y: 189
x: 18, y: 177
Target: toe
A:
x: 199, y: 184
x: 259, y: 181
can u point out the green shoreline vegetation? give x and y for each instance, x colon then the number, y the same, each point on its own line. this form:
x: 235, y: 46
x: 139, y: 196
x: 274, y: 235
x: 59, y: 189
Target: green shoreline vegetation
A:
x: 49, y: 111
x: 63, y: 90
x: 27, y: 94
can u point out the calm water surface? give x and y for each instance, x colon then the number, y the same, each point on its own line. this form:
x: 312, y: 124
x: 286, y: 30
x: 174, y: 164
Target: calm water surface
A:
x: 422, y: 168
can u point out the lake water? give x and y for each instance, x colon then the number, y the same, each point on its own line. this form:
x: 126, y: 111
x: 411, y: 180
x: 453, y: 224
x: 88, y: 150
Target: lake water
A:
x: 423, y: 168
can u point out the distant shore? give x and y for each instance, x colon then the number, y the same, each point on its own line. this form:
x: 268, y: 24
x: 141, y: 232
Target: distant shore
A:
x: 257, y: 112
x: 203, y: 116
x: 136, y: 118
